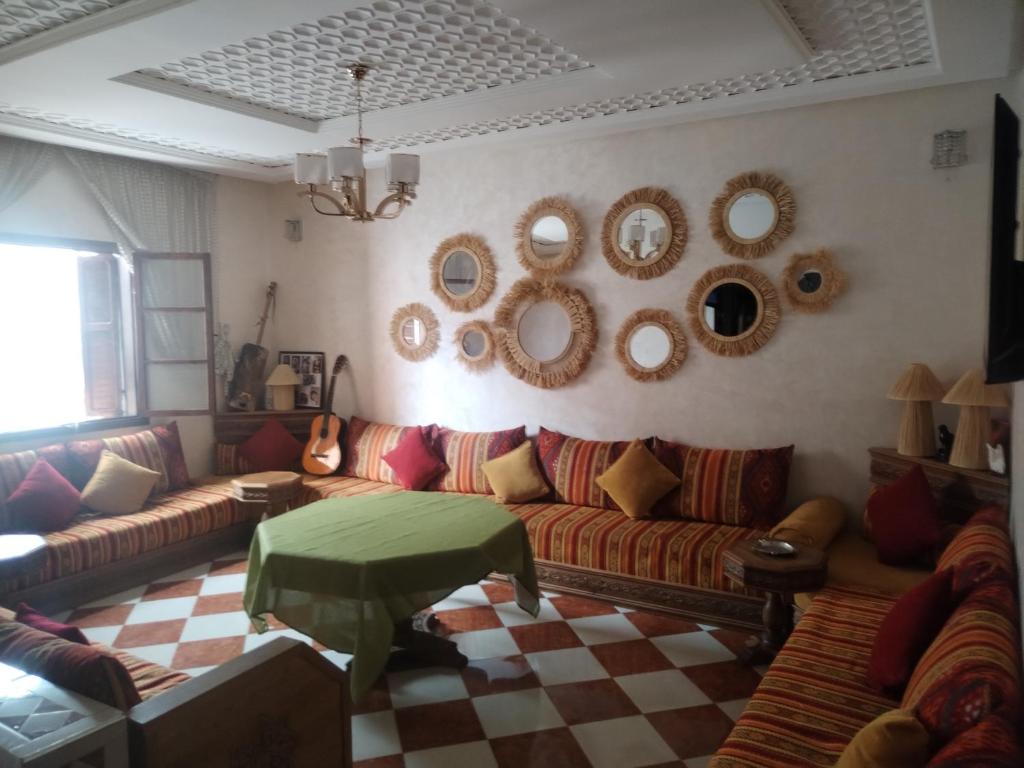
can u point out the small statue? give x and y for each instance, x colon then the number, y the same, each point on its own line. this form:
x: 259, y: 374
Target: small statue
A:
x: 996, y: 459
x: 223, y: 357
x: 946, y: 441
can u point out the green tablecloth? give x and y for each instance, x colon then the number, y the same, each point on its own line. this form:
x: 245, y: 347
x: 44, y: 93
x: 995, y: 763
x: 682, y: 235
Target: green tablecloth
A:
x: 344, y: 571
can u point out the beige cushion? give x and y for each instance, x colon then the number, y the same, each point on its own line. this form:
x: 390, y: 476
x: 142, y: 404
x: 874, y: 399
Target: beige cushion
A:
x: 515, y: 476
x: 895, y: 739
x: 637, y: 480
x: 118, y: 487
x: 815, y: 523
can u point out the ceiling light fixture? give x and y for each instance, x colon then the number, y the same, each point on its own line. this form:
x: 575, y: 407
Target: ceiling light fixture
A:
x: 342, y: 168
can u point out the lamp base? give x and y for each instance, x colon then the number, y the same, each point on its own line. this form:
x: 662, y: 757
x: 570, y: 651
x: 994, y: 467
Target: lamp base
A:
x: 969, y: 447
x: 917, y: 430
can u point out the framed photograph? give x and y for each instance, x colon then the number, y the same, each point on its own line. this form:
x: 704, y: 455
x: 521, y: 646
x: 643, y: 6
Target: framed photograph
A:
x: 310, y: 367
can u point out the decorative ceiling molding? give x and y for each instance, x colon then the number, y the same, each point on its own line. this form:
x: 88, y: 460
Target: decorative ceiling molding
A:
x: 417, y: 51
x: 19, y: 20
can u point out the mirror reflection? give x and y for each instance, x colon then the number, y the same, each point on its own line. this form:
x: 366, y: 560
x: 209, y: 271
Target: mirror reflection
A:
x: 473, y: 343
x: 548, y: 237
x: 752, y: 215
x: 730, y: 309
x: 460, y: 273
x: 650, y: 346
x: 643, y: 234
x: 545, y: 331
x: 810, y: 281
x: 413, y: 332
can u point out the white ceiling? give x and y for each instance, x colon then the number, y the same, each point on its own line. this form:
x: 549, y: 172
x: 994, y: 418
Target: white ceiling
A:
x: 239, y: 86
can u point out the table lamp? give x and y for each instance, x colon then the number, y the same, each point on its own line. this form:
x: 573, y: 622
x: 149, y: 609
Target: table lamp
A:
x: 918, y: 387
x: 974, y: 399
x: 282, y: 383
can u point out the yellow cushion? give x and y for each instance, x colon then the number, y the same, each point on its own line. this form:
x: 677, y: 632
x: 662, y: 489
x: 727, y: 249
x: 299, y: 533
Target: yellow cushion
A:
x: 515, y: 477
x: 814, y: 523
x: 118, y: 487
x: 637, y: 480
x: 853, y: 562
x: 895, y: 739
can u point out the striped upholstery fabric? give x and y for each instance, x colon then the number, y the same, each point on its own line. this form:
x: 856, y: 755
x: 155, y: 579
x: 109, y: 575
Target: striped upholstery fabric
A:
x: 339, y: 486
x: 227, y: 460
x: 150, y: 678
x: 465, y: 452
x: 365, y: 446
x: 92, y: 541
x: 980, y: 551
x: 813, y: 699
x: 572, y: 466
x: 723, y: 486
x: 140, y: 448
x: 13, y: 469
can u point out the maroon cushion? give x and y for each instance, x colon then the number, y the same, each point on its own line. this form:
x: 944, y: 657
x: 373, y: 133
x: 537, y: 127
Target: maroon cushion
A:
x: 169, y: 440
x: 30, y: 617
x: 83, y: 456
x: 904, y: 519
x: 907, y: 630
x: 414, y: 461
x: 43, y: 501
x: 272, y: 448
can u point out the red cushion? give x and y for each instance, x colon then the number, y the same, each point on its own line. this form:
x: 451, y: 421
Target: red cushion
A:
x: 907, y: 630
x: 992, y: 743
x: 83, y: 456
x: 904, y: 519
x: 414, y: 462
x: 272, y: 448
x: 43, y: 501
x: 169, y: 440
x: 30, y: 617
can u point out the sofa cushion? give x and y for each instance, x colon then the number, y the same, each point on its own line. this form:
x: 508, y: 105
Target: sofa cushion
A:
x: 227, y: 460
x: 169, y: 439
x: 271, y: 447
x: 150, y: 679
x: 903, y: 519
x: 118, y: 487
x: 83, y: 669
x: 895, y: 739
x: 515, y: 477
x: 853, y: 562
x: 43, y: 501
x: 465, y: 454
x: 572, y: 466
x: 981, y: 551
x: 814, y: 523
x: 14, y: 467
x: 637, y: 480
x: 733, y: 487
x: 30, y: 617
x: 413, y: 461
x: 992, y: 743
x: 365, y: 445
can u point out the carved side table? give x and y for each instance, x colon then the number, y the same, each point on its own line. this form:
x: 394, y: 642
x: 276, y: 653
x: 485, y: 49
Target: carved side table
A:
x: 273, y: 492
x: 779, y: 578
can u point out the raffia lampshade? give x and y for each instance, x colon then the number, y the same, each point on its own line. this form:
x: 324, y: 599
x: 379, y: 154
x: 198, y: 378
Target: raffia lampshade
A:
x: 974, y: 398
x: 918, y: 387
x: 282, y: 383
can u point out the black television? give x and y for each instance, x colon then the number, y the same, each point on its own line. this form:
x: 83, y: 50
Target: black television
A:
x: 1005, y: 357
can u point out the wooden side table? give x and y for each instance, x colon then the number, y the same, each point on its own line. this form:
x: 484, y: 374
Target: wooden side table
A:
x: 779, y: 578
x: 274, y: 492
x: 21, y: 553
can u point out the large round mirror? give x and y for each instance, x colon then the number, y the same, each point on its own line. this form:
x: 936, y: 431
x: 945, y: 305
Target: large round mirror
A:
x: 475, y: 345
x: 644, y: 233
x: 549, y: 237
x: 462, y: 272
x: 733, y: 310
x: 813, y: 281
x: 651, y: 345
x: 730, y: 309
x: 751, y: 215
x: 545, y: 331
x: 414, y: 332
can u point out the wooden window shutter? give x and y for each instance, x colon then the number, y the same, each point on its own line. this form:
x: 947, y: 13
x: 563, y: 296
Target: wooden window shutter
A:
x: 101, y: 339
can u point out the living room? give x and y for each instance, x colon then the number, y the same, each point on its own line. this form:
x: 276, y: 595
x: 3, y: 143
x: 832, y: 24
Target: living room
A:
x: 649, y: 436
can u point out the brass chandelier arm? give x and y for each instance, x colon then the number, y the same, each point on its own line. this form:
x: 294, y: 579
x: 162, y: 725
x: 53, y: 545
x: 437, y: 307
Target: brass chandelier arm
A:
x: 402, y: 198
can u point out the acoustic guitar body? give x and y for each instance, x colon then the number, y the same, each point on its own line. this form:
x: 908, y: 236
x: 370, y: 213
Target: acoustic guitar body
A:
x: 322, y: 454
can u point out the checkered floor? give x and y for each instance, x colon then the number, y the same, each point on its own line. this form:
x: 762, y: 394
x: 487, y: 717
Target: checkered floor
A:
x: 584, y: 684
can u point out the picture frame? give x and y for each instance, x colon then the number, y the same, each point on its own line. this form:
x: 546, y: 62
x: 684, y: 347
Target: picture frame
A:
x: 310, y: 368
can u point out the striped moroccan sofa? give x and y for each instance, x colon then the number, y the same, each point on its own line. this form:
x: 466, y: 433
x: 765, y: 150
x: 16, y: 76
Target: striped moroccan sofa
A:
x: 814, y: 698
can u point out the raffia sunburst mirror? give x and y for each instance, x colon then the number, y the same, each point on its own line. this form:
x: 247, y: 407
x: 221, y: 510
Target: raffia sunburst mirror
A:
x: 813, y: 281
x: 651, y: 345
x: 549, y: 237
x: 462, y: 272
x: 644, y: 233
x: 733, y: 310
x: 752, y: 215
x: 415, y: 332
x: 474, y: 345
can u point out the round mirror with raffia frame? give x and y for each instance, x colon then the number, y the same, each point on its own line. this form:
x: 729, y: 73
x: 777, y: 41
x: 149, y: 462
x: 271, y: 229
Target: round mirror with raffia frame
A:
x: 733, y: 310
x: 474, y: 345
x: 644, y: 233
x: 462, y: 272
x: 545, y: 332
x: 651, y: 345
x: 549, y: 237
x: 415, y: 332
x: 752, y: 215
x: 813, y: 281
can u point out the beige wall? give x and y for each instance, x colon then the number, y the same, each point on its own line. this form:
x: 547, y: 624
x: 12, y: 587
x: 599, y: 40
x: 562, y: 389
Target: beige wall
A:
x: 913, y: 241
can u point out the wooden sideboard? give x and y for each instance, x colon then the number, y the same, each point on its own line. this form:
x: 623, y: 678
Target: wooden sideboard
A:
x: 236, y: 426
x: 959, y: 491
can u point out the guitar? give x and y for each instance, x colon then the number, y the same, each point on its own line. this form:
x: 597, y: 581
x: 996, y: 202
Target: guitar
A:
x: 322, y: 455
x: 252, y: 361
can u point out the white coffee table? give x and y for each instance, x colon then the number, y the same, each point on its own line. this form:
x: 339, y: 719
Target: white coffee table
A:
x: 44, y: 726
x: 20, y: 553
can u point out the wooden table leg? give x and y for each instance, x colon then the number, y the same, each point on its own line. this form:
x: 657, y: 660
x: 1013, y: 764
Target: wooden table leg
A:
x: 418, y: 643
x: 778, y: 622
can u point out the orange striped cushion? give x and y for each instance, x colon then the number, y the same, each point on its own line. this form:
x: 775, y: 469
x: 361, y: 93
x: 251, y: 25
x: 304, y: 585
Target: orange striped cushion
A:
x: 572, y: 466
x: 227, y: 460
x: 980, y: 551
x: 365, y: 446
x: 465, y: 453
x: 725, y: 486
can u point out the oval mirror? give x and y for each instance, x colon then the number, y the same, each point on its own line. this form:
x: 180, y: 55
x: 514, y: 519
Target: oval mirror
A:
x: 751, y: 215
x: 460, y: 273
x: 548, y: 237
x: 545, y: 331
x: 473, y: 343
x: 649, y: 346
x: 730, y: 309
x: 415, y: 332
x: 734, y: 310
x: 644, y: 234
x: 809, y: 281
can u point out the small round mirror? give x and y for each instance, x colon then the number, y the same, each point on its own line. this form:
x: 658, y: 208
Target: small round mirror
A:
x: 643, y: 234
x: 730, y: 309
x: 460, y: 273
x: 473, y: 343
x: 809, y: 281
x: 413, y: 332
x: 548, y: 237
x: 545, y: 331
x: 752, y: 215
x: 650, y: 346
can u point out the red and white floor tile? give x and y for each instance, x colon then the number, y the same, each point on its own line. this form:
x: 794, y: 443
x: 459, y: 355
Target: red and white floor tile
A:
x: 584, y: 684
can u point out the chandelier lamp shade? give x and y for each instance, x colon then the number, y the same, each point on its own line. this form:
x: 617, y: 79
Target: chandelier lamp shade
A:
x: 342, y: 171
x: 918, y: 387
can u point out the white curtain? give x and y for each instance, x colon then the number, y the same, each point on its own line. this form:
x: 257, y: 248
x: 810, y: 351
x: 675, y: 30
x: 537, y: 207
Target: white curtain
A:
x: 22, y: 164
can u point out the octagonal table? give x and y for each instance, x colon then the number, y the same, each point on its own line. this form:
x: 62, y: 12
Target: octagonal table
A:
x: 347, y: 571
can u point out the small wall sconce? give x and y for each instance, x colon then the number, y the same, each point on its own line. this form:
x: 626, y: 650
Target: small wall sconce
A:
x: 293, y: 230
x: 949, y: 149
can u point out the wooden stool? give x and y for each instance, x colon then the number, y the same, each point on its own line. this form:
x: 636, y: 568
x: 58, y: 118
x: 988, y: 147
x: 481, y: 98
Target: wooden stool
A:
x: 273, y: 491
x: 780, y: 578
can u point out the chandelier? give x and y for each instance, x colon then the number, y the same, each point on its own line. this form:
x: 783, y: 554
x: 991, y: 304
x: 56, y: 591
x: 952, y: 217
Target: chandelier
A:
x: 343, y: 170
